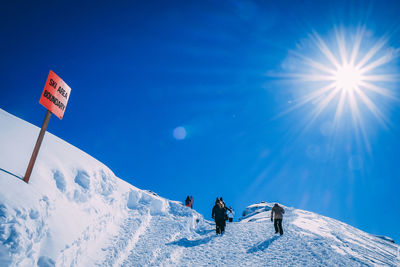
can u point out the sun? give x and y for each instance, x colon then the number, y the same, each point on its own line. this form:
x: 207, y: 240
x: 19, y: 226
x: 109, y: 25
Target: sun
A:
x: 348, y: 77
x: 347, y: 74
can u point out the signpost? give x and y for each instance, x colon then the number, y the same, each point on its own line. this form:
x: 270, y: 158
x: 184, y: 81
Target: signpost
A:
x: 55, y: 98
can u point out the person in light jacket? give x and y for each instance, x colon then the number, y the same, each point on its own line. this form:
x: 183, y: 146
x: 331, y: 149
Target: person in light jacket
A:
x: 277, y: 216
x: 191, y: 202
x: 230, y: 213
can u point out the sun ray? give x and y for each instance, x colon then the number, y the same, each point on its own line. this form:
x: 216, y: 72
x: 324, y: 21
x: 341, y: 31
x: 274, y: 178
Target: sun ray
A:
x: 372, y: 52
x: 325, y: 50
x: 357, y: 43
x: 381, y: 78
x: 357, y: 120
x: 380, y: 61
x: 320, y: 67
x: 372, y: 107
x: 339, y: 109
x: 342, y: 46
x: 315, y: 94
x: 308, y: 98
x: 380, y: 90
x: 354, y: 107
x: 316, y: 77
x: 314, y: 64
x: 324, y: 103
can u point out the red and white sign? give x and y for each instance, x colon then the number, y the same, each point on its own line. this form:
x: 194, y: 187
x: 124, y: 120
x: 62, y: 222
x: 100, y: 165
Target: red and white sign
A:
x: 55, y: 95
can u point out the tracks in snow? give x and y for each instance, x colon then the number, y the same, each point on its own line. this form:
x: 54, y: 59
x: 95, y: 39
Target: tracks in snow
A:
x: 165, y: 240
x: 120, y: 245
x: 155, y: 248
x: 145, y: 240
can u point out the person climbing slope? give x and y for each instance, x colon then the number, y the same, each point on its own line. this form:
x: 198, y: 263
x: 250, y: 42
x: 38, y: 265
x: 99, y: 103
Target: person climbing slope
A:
x: 218, y: 214
x: 278, y: 211
x: 187, y: 201
x: 191, y: 202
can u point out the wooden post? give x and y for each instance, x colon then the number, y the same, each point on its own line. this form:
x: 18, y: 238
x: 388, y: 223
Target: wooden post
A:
x: 37, y: 147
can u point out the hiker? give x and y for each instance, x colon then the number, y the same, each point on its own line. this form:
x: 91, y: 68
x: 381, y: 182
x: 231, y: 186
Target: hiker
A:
x: 230, y: 213
x: 278, y: 211
x: 225, y: 208
x: 218, y: 214
x: 187, y: 202
x: 191, y: 202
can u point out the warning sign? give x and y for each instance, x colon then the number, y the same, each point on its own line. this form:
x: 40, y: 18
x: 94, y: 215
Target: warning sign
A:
x: 55, y: 95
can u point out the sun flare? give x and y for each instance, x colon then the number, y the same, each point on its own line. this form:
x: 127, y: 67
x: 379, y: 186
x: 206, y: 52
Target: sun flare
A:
x: 346, y: 73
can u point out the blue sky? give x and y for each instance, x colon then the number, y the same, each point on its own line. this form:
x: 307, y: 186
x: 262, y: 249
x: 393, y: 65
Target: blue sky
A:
x: 190, y: 98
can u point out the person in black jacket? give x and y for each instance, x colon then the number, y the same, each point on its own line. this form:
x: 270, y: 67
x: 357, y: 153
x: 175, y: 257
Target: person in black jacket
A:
x: 219, y: 215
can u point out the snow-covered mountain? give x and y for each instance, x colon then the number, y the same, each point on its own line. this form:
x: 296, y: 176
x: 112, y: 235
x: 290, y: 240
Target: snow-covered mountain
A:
x: 75, y: 212
x: 318, y: 240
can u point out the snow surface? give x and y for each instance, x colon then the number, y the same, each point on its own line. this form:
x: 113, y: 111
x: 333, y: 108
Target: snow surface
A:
x: 76, y: 212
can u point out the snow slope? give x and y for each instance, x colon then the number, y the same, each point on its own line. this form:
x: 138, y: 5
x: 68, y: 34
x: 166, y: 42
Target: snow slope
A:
x: 75, y: 212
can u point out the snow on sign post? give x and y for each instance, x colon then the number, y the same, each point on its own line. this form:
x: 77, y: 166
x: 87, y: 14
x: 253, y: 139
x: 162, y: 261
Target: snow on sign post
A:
x: 54, y: 97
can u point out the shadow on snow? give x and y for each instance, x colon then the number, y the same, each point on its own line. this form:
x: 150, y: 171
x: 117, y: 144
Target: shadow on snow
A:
x: 263, y: 245
x: 184, y: 242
